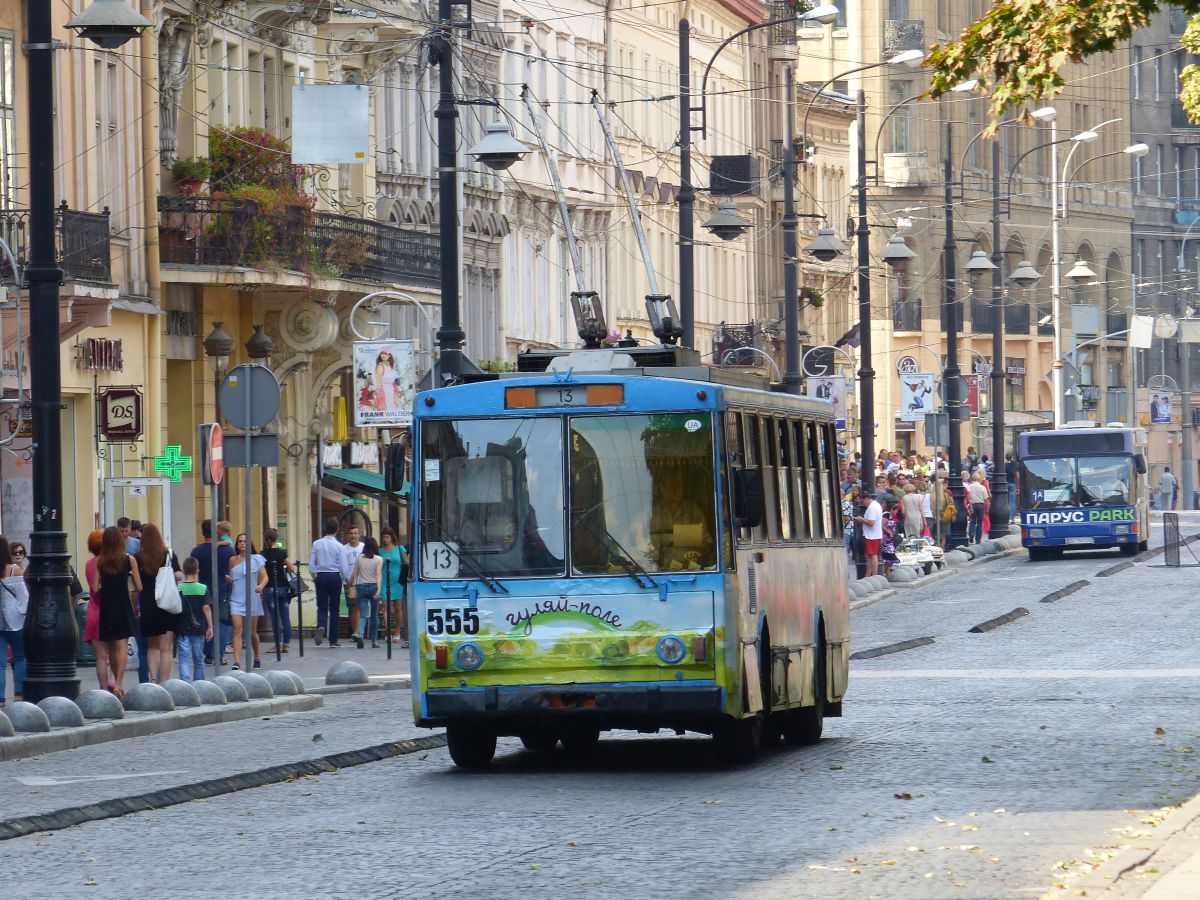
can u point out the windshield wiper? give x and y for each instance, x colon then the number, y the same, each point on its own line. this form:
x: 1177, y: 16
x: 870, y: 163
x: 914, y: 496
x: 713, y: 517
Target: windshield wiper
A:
x: 623, y: 556
x: 454, y: 544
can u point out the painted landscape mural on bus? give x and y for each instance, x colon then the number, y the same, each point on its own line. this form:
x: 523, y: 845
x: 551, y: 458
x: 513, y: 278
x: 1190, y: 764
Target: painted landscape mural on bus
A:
x: 564, y: 639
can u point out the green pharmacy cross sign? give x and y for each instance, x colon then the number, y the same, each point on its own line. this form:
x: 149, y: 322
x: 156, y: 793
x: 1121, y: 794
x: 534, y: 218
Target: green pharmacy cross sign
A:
x: 172, y: 462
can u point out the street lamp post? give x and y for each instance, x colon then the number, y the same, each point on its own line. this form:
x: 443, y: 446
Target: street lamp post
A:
x: 686, y: 197
x: 49, y: 632
x: 1000, y: 513
x: 952, y: 380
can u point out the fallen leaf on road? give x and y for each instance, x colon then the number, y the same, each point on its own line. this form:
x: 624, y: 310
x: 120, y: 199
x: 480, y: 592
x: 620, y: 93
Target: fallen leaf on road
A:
x: 902, y: 796
x: 90, y: 882
x: 856, y: 871
x: 817, y: 868
x: 913, y: 850
x: 986, y: 759
x: 1160, y: 730
x: 713, y: 802
x: 999, y: 811
x: 535, y: 866
x: 928, y: 874
x: 572, y: 843
x: 970, y: 828
x: 887, y: 862
x: 317, y: 738
x: 836, y: 767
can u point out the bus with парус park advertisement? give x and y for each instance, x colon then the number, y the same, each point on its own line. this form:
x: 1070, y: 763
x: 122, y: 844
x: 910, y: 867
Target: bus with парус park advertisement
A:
x: 608, y: 545
x: 1082, y: 488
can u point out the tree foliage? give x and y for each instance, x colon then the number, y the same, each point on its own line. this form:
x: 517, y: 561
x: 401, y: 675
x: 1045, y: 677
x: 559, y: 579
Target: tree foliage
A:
x: 1018, y: 50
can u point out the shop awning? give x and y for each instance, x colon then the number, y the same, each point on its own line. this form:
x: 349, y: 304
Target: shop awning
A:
x: 362, y: 481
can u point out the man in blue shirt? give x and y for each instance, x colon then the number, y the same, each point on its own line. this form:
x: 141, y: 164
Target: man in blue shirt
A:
x: 132, y: 544
x: 204, y: 554
x: 325, y: 564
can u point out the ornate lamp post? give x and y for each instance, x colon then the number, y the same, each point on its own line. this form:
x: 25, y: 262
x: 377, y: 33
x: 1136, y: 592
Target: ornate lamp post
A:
x: 49, y: 632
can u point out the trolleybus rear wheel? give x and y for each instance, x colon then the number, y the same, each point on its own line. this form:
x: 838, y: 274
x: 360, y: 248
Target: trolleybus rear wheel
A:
x: 1129, y: 549
x: 471, y: 747
x: 804, y: 726
x: 1143, y: 546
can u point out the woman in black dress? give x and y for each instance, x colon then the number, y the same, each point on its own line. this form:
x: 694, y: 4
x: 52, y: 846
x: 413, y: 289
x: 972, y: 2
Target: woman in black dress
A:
x: 158, y: 626
x: 114, y: 573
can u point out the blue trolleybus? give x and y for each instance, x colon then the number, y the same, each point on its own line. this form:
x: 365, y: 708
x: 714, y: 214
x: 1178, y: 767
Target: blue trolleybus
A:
x: 1083, y: 487
x: 622, y: 542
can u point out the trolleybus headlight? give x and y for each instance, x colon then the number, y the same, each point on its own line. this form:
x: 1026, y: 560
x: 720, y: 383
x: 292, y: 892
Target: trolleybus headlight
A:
x: 1037, y: 532
x: 671, y: 649
x: 469, y: 657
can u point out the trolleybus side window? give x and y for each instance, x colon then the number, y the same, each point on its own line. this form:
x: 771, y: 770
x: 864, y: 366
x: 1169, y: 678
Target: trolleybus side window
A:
x: 834, y: 506
x: 736, y: 441
x: 786, y: 463
x: 727, y: 457
x: 803, y: 482
x: 770, y: 480
x: 813, y: 477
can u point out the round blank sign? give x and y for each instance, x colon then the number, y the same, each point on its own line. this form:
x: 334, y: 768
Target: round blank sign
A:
x: 249, y: 397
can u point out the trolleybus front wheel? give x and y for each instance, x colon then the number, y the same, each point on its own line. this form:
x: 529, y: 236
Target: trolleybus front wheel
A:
x: 471, y: 747
x: 580, y: 740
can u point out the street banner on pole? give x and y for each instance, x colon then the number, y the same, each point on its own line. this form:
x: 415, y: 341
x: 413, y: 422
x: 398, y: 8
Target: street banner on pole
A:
x: 1141, y: 332
x: 330, y: 123
x: 916, y: 396
x: 972, y: 395
x: 833, y: 388
x: 384, y: 383
x: 1161, y: 402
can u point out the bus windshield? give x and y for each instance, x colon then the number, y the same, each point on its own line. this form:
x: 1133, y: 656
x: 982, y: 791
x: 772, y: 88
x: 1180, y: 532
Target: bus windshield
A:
x: 643, y: 493
x: 492, y: 498
x: 1083, y: 481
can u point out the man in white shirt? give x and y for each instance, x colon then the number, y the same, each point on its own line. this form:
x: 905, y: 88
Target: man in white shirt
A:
x: 872, y: 525
x: 1168, y: 487
x: 350, y: 554
x: 325, y: 566
x: 977, y: 498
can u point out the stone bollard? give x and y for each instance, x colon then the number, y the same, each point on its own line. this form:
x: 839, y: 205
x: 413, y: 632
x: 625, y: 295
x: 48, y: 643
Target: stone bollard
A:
x: 100, y: 705
x: 26, y: 717
x: 61, y: 712
x: 281, y: 683
x: 148, y: 697
x: 182, y: 693
x: 209, y: 693
x: 257, y: 687
x: 233, y: 689
x: 347, y: 672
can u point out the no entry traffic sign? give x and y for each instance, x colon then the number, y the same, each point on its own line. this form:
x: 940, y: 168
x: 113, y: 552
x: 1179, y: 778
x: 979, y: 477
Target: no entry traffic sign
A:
x: 213, y: 453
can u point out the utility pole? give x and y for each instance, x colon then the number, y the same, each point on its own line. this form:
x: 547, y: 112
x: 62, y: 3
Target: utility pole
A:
x: 687, y: 194
x: 450, y: 335
x: 1056, y: 368
x: 954, y: 387
x: 1000, y: 512
x: 791, y: 290
x: 866, y: 375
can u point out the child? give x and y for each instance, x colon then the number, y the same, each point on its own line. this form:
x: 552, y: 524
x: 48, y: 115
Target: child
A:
x: 195, y: 622
x: 887, y: 550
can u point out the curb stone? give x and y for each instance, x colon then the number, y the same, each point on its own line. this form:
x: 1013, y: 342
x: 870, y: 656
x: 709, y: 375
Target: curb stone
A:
x: 148, y: 723
x: 1108, y: 875
x: 107, y: 809
x: 398, y: 684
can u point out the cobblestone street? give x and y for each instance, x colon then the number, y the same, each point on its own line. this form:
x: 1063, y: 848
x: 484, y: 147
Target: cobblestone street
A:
x: 981, y: 765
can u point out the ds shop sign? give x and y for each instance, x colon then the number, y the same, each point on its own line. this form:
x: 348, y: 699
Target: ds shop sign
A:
x: 1078, y: 516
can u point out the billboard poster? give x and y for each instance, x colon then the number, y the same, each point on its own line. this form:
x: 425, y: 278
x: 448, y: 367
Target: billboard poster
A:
x: 1160, y: 407
x: 972, y: 395
x: 916, y: 396
x: 833, y: 389
x: 384, y: 383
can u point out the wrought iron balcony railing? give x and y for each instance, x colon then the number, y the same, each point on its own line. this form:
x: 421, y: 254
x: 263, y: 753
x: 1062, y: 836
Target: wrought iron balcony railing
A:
x: 982, y: 317
x: 1016, y: 318
x: 210, y: 231
x: 734, y: 345
x: 81, y: 242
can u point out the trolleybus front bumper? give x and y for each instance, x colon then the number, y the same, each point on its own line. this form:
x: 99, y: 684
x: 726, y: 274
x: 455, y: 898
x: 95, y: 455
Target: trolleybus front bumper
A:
x: 580, y: 699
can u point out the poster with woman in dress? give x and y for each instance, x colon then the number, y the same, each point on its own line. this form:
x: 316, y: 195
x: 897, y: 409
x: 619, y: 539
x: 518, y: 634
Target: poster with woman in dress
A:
x: 384, y: 383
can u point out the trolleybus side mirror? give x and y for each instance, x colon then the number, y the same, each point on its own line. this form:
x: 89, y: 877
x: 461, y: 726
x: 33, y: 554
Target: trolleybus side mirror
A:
x: 1139, y: 464
x: 747, y: 497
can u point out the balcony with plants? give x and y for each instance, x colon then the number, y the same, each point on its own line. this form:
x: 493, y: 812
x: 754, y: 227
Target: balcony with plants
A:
x: 258, y: 213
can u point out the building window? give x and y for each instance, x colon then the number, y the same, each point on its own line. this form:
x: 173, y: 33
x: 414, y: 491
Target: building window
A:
x: 1014, y: 389
x: 1138, y: 172
x: 1158, y: 76
x: 1160, y: 158
x: 8, y: 124
x: 1136, y: 74
x: 900, y: 125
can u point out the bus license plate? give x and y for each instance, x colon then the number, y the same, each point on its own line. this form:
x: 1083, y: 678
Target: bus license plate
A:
x: 1081, y: 540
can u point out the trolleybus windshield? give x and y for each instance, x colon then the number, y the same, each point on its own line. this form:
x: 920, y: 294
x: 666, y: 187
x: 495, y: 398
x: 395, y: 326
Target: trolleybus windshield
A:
x: 1082, y: 481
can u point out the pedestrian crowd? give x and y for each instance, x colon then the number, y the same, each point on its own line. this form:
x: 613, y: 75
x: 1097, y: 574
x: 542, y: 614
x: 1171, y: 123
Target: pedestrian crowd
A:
x: 196, y: 610
x: 912, y: 499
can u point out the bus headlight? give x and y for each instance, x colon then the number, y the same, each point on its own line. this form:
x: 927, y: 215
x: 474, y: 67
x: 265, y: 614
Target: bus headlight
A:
x: 1037, y: 532
x: 1120, y: 529
x: 469, y: 657
x: 671, y: 649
